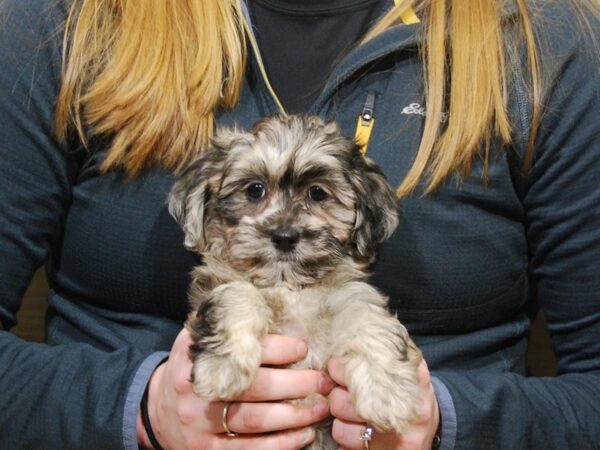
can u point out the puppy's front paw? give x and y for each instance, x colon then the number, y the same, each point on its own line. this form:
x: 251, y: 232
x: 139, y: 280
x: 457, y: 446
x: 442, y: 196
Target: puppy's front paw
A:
x: 226, y: 330
x: 387, y: 396
x: 225, y: 377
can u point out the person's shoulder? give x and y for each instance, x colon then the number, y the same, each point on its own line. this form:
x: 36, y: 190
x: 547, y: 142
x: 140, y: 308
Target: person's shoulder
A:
x: 568, y: 34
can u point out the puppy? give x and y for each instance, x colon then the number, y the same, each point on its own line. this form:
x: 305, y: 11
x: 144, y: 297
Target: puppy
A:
x: 287, y: 218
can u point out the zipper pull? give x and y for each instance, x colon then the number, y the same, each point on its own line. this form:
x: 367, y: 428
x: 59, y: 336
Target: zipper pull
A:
x: 365, y: 123
x: 408, y: 15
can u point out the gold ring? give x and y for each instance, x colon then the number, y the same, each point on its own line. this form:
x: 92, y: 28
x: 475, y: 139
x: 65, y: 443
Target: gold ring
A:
x: 224, y: 421
x: 366, y: 434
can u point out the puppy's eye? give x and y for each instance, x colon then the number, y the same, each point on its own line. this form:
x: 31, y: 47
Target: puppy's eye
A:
x: 255, y: 190
x: 317, y: 193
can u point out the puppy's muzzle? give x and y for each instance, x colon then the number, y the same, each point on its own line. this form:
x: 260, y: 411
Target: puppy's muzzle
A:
x: 285, y: 238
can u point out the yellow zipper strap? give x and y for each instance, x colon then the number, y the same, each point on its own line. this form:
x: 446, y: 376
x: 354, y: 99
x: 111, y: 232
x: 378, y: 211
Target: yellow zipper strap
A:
x: 366, y: 120
x: 261, y: 66
x: 365, y: 123
x: 408, y: 15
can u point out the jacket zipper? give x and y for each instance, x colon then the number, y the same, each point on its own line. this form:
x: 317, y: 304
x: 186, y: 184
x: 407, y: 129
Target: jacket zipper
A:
x: 407, y: 16
x: 365, y: 123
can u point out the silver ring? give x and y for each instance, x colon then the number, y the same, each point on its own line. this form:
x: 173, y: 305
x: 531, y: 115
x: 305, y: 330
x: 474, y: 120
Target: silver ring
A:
x: 224, y: 421
x: 366, y: 434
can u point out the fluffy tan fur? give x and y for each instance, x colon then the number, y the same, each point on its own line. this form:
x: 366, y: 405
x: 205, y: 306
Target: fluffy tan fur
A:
x: 287, y: 219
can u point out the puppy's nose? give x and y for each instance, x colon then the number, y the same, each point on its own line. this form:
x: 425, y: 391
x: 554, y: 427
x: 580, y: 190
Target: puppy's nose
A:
x: 285, y: 238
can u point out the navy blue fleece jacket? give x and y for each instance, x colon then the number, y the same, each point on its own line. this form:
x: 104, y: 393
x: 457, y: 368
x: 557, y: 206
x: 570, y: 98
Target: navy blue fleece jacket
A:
x: 464, y: 271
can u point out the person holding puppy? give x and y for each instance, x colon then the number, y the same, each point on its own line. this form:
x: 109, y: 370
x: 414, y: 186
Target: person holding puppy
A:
x: 482, y: 114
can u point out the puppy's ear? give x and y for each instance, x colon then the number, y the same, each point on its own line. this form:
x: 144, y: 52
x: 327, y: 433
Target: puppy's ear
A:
x: 376, y: 208
x: 191, y: 191
x: 187, y: 200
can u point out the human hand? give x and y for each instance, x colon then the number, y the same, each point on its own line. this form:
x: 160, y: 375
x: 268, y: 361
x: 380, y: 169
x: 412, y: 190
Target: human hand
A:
x: 347, y: 426
x: 182, y: 421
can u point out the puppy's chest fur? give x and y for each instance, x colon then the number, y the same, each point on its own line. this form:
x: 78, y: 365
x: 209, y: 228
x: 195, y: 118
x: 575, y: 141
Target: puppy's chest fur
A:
x: 225, y: 298
x: 303, y: 314
x: 287, y: 219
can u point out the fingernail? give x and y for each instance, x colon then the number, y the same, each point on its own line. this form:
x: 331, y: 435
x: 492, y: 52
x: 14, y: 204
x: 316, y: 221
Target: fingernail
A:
x: 308, y: 436
x: 301, y: 349
x: 325, y: 384
x: 321, y: 408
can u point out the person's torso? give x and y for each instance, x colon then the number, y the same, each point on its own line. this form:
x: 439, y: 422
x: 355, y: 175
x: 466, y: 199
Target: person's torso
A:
x: 457, y: 263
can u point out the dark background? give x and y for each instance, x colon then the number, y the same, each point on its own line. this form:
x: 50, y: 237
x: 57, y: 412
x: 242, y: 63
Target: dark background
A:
x: 540, y: 359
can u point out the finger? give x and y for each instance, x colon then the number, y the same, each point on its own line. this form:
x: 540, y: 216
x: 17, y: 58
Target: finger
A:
x: 253, y: 418
x: 276, y: 349
x: 181, y: 346
x: 348, y: 434
x: 287, y: 440
x: 423, y: 374
x: 336, y: 370
x: 280, y: 350
x: 179, y: 366
x: 271, y: 384
x: 340, y: 405
x: 285, y: 384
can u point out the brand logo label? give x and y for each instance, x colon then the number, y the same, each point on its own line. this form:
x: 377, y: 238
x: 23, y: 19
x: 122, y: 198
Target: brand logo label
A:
x: 416, y: 108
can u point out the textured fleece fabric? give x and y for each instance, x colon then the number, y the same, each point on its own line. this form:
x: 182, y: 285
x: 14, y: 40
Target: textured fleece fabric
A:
x: 464, y: 271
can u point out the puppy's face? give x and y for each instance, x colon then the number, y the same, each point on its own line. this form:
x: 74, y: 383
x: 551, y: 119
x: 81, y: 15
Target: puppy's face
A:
x: 284, y: 202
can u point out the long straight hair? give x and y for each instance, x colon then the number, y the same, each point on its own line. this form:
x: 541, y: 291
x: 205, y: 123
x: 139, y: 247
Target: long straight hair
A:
x: 151, y: 74
x: 459, y: 34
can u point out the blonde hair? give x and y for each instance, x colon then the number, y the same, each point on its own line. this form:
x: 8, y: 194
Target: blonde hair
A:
x: 461, y: 34
x: 151, y: 74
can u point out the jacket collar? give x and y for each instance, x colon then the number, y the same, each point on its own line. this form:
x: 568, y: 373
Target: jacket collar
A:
x: 395, y: 38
